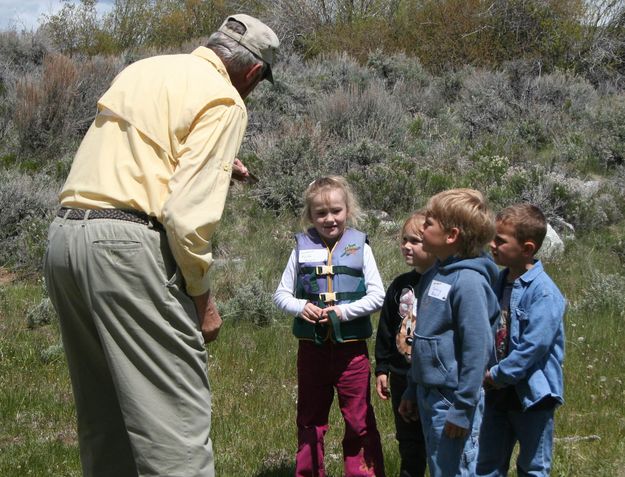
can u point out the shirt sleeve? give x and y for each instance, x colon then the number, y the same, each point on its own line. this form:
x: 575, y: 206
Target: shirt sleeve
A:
x: 473, y: 332
x: 385, y: 347
x: 284, y: 297
x: 374, y: 298
x: 198, y: 190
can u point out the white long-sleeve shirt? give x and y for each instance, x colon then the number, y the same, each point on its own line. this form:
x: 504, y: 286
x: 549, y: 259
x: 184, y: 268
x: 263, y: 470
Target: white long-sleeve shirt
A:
x: 285, y: 299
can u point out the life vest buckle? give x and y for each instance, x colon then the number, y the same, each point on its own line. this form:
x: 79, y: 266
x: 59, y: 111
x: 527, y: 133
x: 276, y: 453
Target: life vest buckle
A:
x: 327, y: 297
x: 324, y: 270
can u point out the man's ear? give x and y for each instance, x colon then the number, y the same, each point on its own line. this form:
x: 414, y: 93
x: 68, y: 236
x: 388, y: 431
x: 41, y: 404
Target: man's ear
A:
x: 254, y: 70
x: 453, y: 235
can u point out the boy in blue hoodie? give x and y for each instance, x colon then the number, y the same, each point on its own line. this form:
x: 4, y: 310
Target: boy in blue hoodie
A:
x: 526, y: 385
x: 453, y: 338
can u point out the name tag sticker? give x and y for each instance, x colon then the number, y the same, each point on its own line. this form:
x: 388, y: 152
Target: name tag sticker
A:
x: 314, y: 255
x: 439, y: 290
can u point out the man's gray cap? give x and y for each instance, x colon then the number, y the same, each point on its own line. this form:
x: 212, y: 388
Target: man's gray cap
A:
x: 258, y: 38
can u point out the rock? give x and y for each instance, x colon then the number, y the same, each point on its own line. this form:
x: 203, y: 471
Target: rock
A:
x: 383, y: 220
x: 380, y: 215
x: 552, y: 247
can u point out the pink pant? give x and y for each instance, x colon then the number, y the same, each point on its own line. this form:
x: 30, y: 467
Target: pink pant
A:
x: 345, y: 367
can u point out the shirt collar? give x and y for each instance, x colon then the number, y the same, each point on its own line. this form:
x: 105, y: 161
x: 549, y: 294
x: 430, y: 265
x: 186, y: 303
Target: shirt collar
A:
x: 533, y: 272
x: 210, y: 56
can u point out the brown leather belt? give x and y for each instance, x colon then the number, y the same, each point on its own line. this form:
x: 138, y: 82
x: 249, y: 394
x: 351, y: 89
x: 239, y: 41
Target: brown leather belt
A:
x: 126, y: 215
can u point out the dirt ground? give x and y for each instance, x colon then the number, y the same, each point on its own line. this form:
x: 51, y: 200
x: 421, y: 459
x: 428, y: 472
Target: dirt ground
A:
x: 6, y: 276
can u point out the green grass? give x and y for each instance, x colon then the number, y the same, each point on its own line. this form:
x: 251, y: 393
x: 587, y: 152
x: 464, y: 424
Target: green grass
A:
x: 37, y: 420
x: 252, y: 369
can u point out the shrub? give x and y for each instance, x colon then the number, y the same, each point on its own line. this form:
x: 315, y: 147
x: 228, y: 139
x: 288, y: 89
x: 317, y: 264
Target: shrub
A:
x: 353, y: 113
x: 597, y: 209
x: 351, y: 156
x: 289, y: 165
x: 53, y: 353
x: 398, y: 185
x: 398, y: 67
x: 553, y: 108
x: 94, y: 76
x: 486, y: 172
x: 607, y: 141
x: 58, y: 103
x: 485, y: 102
x: 22, y: 51
x: 603, y: 292
x: 332, y: 71
x: 251, y: 302
x: 43, y: 105
x: 535, y: 29
x: 562, y: 92
x: 271, y: 106
x: 41, y: 314
x: 29, y: 204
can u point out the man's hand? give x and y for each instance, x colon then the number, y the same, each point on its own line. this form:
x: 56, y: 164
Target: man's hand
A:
x: 455, y: 432
x: 210, y: 321
x: 239, y: 171
x: 408, y: 410
x: 381, y: 386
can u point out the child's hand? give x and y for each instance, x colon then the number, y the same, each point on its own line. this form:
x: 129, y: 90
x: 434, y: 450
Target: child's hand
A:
x: 326, y: 311
x: 455, y: 432
x: 408, y: 410
x: 381, y: 386
x: 488, y: 381
x: 312, y: 313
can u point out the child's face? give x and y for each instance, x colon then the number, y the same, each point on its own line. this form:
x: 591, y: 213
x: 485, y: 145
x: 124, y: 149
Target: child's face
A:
x: 506, y: 249
x: 329, y: 214
x: 435, y: 239
x: 412, y: 250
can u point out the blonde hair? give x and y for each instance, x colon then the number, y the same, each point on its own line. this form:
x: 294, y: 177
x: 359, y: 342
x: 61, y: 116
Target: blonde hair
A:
x: 413, y: 224
x: 466, y: 210
x: 528, y: 221
x: 324, y: 185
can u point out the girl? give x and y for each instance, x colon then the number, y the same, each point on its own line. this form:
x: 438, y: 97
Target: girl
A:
x: 393, y: 344
x: 332, y: 284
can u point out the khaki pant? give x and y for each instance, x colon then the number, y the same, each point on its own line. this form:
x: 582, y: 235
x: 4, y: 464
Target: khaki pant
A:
x: 135, y: 353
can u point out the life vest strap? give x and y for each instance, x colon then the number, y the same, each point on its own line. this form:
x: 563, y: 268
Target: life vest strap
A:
x: 328, y: 297
x: 323, y: 270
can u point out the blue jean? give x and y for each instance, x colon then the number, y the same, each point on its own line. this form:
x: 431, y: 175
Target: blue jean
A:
x: 447, y: 457
x: 500, y: 432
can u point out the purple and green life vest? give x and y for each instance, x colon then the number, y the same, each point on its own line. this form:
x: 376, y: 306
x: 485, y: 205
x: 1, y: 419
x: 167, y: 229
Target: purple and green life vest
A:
x: 328, y: 277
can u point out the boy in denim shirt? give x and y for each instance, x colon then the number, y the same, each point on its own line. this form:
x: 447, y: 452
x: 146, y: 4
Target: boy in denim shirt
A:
x: 453, y: 337
x: 526, y: 385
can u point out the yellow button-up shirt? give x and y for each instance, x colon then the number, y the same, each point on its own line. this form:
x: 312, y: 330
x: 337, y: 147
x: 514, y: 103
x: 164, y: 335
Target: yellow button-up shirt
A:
x: 163, y: 142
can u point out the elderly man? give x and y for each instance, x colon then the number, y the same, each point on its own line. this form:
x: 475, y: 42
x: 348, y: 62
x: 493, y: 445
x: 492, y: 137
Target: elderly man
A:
x: 129, y: 252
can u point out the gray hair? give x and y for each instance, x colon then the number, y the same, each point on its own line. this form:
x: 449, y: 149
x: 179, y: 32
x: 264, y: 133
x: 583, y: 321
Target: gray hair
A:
x: 236, y: 57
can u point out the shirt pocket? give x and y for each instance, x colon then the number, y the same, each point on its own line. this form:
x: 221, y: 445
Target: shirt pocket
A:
x: 518, y: 323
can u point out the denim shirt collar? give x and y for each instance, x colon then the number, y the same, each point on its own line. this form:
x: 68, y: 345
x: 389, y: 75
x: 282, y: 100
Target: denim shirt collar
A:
x: 532, y: 273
